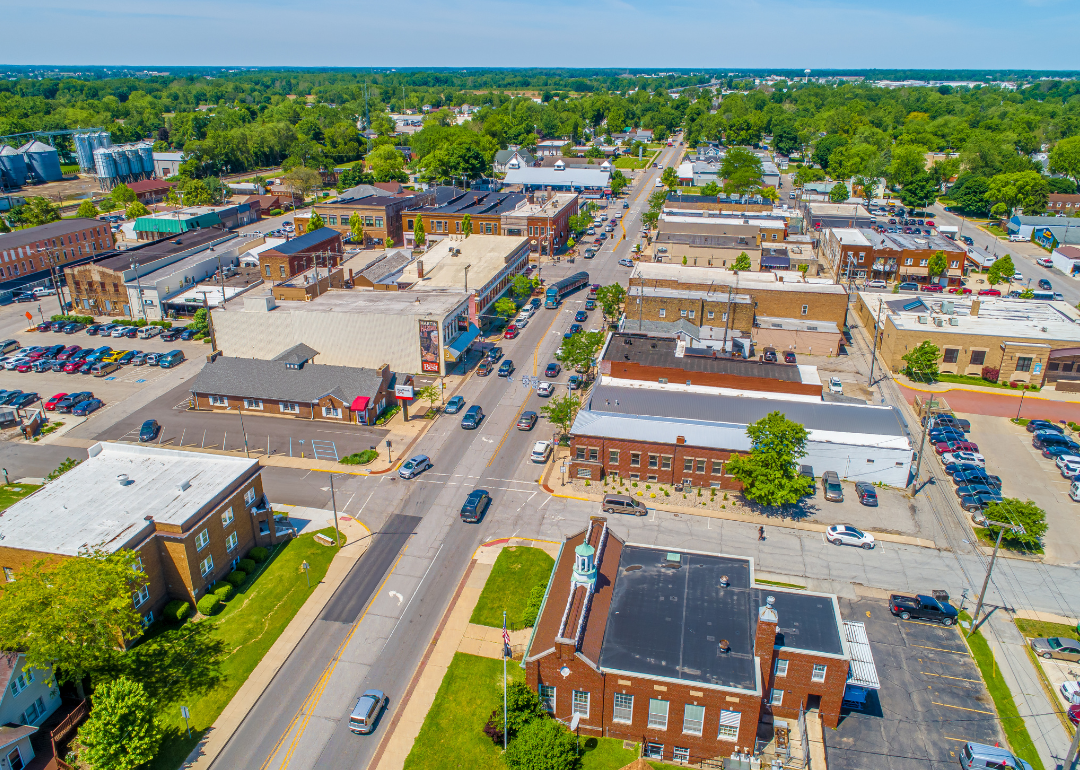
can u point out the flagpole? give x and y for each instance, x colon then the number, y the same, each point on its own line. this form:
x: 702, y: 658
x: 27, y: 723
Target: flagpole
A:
x: 505, y: 726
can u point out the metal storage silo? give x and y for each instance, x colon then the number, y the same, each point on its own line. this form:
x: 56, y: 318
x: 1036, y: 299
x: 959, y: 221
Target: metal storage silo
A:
x: 84, y: 151
x: 146, y: 151
x: 134, y: 160
x: 123, y: 170
x: 43, y: 161
x: 104, y: 164
x: 12, y: 166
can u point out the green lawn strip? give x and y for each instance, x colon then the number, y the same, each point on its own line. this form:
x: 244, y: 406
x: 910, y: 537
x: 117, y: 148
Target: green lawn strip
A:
x: 13, y: 493
x: 995, y: 230
x: 779, y: 584
x: 609, y: 754
x: 988, y: 539
x: 515, y: 572
x: 1038, y: 629
x: 1011, y: 721
x: 976, y: 380
x: 452, y: 735
x: 245, y: 629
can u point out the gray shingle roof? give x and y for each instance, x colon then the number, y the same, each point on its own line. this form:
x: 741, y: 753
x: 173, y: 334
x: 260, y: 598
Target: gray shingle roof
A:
x: 387, y: 266
x: 254, y: 378
x: 297, y: 354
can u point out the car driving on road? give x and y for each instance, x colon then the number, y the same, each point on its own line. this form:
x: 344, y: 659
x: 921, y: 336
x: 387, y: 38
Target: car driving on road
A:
x: 474, y: 506
x: 455, y: 405
x: 414, y: 466
x: 845, y: 534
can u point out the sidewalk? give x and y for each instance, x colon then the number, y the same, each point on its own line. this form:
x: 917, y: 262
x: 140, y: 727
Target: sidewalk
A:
x: 234, y: 713
x: 997, y: 402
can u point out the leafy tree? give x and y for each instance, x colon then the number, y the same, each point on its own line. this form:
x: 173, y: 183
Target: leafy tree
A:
x: 1023, y: 513
x: 839, y: 193
x: 542, y: 744
x: 1065, y: 158
x: 121, y: 732
x: 4, y: 227
x: 921, y: 190
x: 356, y: 227
x: 580, y: 350
x: 196, y: 193
x: 1061, y: 185
x: 200, y: 321
x: 1024, y: 189
x: 523, y: 287
x: 770, y: 473
x: 908, y: 162
x: 610, y: 299
x: 741, y: 171
x: 36, y: 211
x: 387, y: 164
x: 419, y: 236
x: 74, y: 614
x: 1001, y: 269
x: 936, y: 266
x: 136, y: 209
x: 87, y: 209
x: 712, y: 189
x: 561, y: 410
x: 742, y: 262
x: 466, y: 225
x: 351, y: 177
x: 922, y: 361
x: 619, y: 182
x: 969, y: 195
x: 123, y: 194
x: 299, y: 179
x: 61, y: 469
x: 670, y: 178
x: 430, y: 393
x: 505, y: 308
x: 824, y: 149
x: 866, y: 186
x: 807, y: 174
x: 594, y: 152
x: 523, y: 706
x: 1027, y: 294
x: 316, y: 222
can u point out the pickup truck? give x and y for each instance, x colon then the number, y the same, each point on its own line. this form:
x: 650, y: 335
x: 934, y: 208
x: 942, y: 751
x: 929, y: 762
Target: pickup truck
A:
x: 922, y: 607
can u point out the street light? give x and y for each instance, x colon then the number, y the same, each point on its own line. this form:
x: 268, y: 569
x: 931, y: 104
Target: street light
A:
x: 240, y: 412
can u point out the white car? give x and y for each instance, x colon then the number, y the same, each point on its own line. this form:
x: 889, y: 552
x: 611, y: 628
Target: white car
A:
x: 119, y: 331
x: 1044, y: 262
x: 10, y: 365
x: 1018, y: 276
x: 1067, y: 460
x: 545, y: 389
x: 1070, y: 470
x: 972, y: 458
x: 521, y: 321
x: 1071, y: 691
x: 540, y: 452
x: 845, y: 534
x: 835, y: 386
x: 876, y: 284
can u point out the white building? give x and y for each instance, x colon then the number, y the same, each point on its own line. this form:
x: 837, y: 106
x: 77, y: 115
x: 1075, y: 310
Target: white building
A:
x: 27, y: 697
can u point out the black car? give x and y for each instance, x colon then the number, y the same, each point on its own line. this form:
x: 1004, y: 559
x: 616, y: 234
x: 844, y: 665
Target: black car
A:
x: 552, y: 370
x: 1045, y: 439
x: 581, y: 315
x: 972, y: 490
x: 23, y: 400
x: 171, y: 336
x: 866, y: 493
x: 946, y: 434
x: 948, y: 421
x: 506, y: 368
x: 475, y: 504
x: 536, y: 303
x: 1045, y: 284
x: 187, y: 334
x: 68, y: 402
x: 980, y: 501
x: 1034, y: 426
x: 494, y: 354
x: 954, y: 468
x: 9, y: 396
x: 977, y: 476
x: 149, y: 430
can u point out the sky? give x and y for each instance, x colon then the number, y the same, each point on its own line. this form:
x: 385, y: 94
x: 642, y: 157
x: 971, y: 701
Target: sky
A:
x: 1019, y: 34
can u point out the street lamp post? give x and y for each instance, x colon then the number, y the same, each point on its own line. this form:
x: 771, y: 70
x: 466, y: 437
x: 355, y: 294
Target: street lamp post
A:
x: 240, y: 412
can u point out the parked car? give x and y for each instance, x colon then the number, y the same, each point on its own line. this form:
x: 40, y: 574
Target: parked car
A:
x: 9, y: 345
x: 1058, y: 647
x: 845, y: 534
x: 484, y: 368
x: 366, y: 712
x: 84, y: 408
x: 922, y: 607
x: 50, y: 405
x: 68, y: 352
x: 623, y: 504
x: 953, y: 468
x: 527, y: 420
x: 511, y: 332
x: 128, y: 357
x: 978, y: 503
x: 188, y: 334
x: 149, y: 430
x: 833, y: 491
x: 23, y: 400
x: 835, y: 386
x: 1056, y: 451
x: 974, y: 490
x: 955, y: 446
x: 494, y: 354
x: 624, y: 262
x: 71, y: 328
x: 148, y: 332
x: 475, y: 504
x: 473, y: 417
x: 977, y: 476
x: 43, y: 365
x: 1048, y: 438
x: 152, y: 359
x: 105, y: 368
x: 876, y: 284
x: 973, y: 458
x: 988, y: 293
x: 414, y: 466
x: 540, y: 452
x: 454, y: 405
x: 506, y: 368
x: 866, y: 492
x: 909, y: 286
x: 1035, y: 426
x: 936, y: 288
x: 789, y: 357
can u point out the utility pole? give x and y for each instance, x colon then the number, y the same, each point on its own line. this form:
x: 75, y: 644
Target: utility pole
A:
x: 922, y: 444
x: 333, y: 501
x: 990, y: 568
x: 873, y: 355
x: 1070, y: 758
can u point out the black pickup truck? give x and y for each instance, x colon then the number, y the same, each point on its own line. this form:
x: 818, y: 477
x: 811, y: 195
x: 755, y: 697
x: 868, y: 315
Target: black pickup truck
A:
x: 923, y: 607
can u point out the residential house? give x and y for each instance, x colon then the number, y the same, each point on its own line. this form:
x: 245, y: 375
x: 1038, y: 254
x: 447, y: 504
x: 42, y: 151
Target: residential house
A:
x: 512, y: 157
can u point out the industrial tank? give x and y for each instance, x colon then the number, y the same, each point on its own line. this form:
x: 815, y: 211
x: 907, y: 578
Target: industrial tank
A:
x: 12, y: 166
x: 84, y: 151
x: 120, y: 157
x: 134, y: 159
x: 43, y: 161
x: 104, y: 164
x: 146, y: 151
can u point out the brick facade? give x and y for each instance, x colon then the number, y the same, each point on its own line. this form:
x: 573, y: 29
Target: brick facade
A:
x: 699, y: 312
x: 31, y: 251
x: 381, y: 216
x: 98, y: 290
x: 276, y: 266
x: 594, y: 457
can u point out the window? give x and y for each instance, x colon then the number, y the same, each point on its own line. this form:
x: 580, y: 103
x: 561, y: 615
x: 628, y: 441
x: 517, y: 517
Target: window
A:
x: 682, y: 314
x: 231, y: 542
x: 227, y: 517
x: 654, y: 750
x: 729, y: 725
x: 951, y: 355
x: 138, y: 565
x: 287, y: 406
x: 805, y: 309
x: 252, y: 403
x: 819, y: 673
x: 282, y: 268
x: 624, y: 708
x: 202, y: 540
x: 1053, y: 366
x: 581, y: 703
x: 680, y: 753
x: 147, y: 619
x: 219, y: 401
x: 665, y: 462
x: 613, y: 457
x: 408, y: 224
x: 580, y: 453
x: 249, y: 496
x: 710, y: 315
x: 652, y: 477
x: 693, y: 719
x: 378, y: 221
x: 691, y: 313
x: 206, y: 566
x: 331, y: 411
x: 777, y: 698
x: 700, y: 466
x: 781, y: 667
x: 717, y: 467
x: 331, y: 220
x: 658, y: 713
x: 1067, y: 366
x: 654, y: 461
x: 688, y: 464
x: 663, y: 312
x: 141, y: 596
x: 35, y: 712
x: 978, y: 357
x: 635, y: 476
x: 21, y: 682
x: 635, y: 459
x: 9, y: 574
x: 954, y: 264
x: 547, y: 697
x: 909, y: 261
x: 594, y: 454
x: 584, y: 473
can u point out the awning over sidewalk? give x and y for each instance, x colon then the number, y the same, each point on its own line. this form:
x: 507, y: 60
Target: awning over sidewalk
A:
x: 862, y: 672
x: 453, y: 351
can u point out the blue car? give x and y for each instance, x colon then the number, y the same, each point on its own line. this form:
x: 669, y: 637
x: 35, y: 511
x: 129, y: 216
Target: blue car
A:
x: 187, y: 334
x: 149, y: 430
x: 581, y: 315
x: 455, y: 405
x: 86, y: 407
x: 126, y: 358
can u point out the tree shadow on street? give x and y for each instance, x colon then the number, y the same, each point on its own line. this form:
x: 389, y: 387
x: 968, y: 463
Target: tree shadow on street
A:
x: 803, y: 510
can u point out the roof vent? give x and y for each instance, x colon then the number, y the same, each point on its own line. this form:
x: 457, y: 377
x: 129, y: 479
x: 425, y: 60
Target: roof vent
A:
x: 954, y: 322
x: 770, y: 600
x: 673, y: 560
x: 1044, y: 330
x: 939, y: 322
x: 724, y: 646
x: 725, y: 581
x: 184, y: 485
x: 122, y: 479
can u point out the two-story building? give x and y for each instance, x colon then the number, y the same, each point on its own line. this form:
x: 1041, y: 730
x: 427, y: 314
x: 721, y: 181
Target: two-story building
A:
x: 380, y: 214
x: 322, y: 247
x: 29, y: 254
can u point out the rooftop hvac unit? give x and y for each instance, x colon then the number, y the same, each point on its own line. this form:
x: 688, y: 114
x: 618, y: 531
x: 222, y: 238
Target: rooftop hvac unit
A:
x: 954, y: 322
x: 1044, y: 330
x: 939, y: 322
x: 947, y: 307
x: 923, y: 319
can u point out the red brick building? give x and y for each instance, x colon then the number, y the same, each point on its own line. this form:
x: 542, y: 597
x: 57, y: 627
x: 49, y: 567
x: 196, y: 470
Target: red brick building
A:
x: 680, y: 650
x: 1062, y: 203
x: 151, y: 190
x: 322, y: 248
x: 30, y: 252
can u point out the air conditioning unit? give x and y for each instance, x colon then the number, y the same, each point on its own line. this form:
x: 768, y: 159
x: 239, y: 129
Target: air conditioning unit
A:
x: 923, y: 319
x: 939, y: 322
x: 954, y: 322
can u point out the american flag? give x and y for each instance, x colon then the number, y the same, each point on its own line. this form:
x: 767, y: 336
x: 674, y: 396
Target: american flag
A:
x: 506, y: 643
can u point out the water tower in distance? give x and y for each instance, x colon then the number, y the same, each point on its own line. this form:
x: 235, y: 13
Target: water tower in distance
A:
x: 806, y: 76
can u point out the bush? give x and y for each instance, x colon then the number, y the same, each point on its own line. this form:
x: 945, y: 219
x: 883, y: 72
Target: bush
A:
x: 162, y: 324
x: 532, y: 608
x: 209, y: 605
x: 276, y: 212
x: 81, y: 319
x: 258, y: 554
x: 359, y: 458
x: 522, y: 708
x: 177, y: 610
x: 236, y: 578
x: 224, y: 592
x: 990, y: 374
x: 246, y: 565
x: 1013, y: 384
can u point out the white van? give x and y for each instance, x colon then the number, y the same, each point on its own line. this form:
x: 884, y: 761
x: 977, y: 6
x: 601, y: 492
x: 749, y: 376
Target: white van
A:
x: 1074, y: 491
x: 1017, y: 238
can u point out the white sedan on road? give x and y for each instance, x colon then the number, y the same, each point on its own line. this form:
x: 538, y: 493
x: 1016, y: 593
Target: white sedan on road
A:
x: 540, y: 452
x: 545, y: 389
x: 845, y: 534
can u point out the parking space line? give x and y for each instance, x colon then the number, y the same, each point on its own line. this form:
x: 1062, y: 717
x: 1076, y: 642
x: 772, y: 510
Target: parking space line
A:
x: 958, y: 678
x: 942, y: 649
x: 923, y: 623
x: 950, y: 738
x: 962, y: 708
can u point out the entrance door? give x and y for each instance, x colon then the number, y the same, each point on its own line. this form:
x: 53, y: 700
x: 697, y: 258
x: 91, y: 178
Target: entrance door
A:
x: 15, y: 760
x: 654, y: 751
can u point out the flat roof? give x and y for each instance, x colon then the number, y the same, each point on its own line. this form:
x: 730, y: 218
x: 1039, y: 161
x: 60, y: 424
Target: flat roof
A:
x: 837, y: 209
x: 88, y: 507
x: 183, y: 264
x: 555, y: 203
x: 413, y: 303
x: 746, y: 280
x: 484, y: 256
x: 701, y: 222
x: 715, y: 296
x: 850, y: 236
x: 163, y: 247
x: 307, y: 240
x: 667, y: 621
x: 662, y: 352
x: 477, y: 203
x: 908, y: 241
x: 572, y: 176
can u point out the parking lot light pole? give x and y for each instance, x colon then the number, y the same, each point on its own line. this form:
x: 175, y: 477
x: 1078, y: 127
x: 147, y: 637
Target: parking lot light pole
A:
x: 990, y: 567
x: 240, y: 412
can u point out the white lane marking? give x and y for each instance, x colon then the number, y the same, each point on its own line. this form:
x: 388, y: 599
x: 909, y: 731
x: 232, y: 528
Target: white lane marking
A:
x: 400, y: 598
x: 415, y: 592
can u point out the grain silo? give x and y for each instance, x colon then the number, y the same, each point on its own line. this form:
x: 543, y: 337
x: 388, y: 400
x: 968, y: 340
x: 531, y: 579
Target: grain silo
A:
x: 105, y: 166
x: 42, y: 160
x: 12, y: 167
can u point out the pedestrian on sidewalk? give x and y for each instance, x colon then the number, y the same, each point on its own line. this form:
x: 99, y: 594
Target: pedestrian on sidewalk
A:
x: 761, y: 533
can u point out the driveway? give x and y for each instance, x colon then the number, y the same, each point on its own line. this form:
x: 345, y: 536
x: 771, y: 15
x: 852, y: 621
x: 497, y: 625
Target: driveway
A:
x: 932, y: 698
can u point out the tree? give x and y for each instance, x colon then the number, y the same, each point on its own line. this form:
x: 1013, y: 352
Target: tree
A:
x: 921, y: 190
x: 351, y: 177
x: 770, y: 194
x: 61, y: 469
x: 1001, y: 269
x: 908, y: 162
x: 387, y: 164
x: 4, y: 227
x: 523, y: 706
x: 866, y: 187
x: 87, y: 209
x: 936, y: 266
x: 36, y: 211
x: 299, y: 179
x: 196, y: 193
x: 466, y: 225
x: 742, y: 262
x: 1065, y: 157
x: 770, y: 473
x: 74, y: 614
x: 419, y: 236
x: 579, y: 351
x: 121, y: 732
x: 356, y: 227
x: 542, y: 744
x: 807, y: 174
x: 741, y: 171
x: 200, y: 321
x: 969, y: 195
x: 123, y: 194
x: 712, y: 189
x: 136, y: 209
x: 922, y: 361
x: 505, y: 308
x: 561, y: 410
x: 1018, y: 512
x: 523, y: 287
x: 430, y: 393
x: 839, y: 193
x: 618, y: 182
x: 315, y: 223
x: 610, y: 299
x: 670, y: 178
x: 1023, y: 189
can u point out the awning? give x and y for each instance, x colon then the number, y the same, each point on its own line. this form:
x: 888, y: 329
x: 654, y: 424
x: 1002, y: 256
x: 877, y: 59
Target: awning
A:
x: 359, y: 403
x: 776, y: 260
x: 454, y: 350
x: 861, y: 671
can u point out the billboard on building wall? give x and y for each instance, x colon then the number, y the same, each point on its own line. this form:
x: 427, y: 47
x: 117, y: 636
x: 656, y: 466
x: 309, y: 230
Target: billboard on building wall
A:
x: 429, y: 346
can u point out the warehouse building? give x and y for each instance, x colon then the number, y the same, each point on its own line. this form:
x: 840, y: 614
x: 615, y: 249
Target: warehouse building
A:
x: 171, y: 223
x: 26, y: 255
x: 589, y: 182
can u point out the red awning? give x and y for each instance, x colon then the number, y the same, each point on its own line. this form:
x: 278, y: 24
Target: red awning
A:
x: 359, y: 403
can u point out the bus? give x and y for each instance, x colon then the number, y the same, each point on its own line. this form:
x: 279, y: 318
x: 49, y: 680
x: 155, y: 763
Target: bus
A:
x: 556, y: 291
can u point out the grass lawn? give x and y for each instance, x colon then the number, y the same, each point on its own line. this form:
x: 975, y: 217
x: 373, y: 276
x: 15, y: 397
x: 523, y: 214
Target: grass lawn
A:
x: 516, y: 571
x: 237, y: 638
x: 1042, y: 629
x: 453, y: 732
x: 995, y: 230
x: 962, y: 379
x: 13, y: 493
x: 1011, y: 721
x: 988, y: 538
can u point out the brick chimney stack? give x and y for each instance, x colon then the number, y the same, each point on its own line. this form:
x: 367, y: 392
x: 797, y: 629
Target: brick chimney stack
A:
x: 420, y: 269
x: 764, y: 641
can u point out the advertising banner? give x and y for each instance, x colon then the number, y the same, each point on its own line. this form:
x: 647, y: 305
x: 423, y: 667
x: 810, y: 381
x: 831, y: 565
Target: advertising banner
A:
x: 429, y: 346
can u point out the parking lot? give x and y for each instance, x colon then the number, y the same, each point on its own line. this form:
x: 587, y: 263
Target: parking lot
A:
x: 932, y: 698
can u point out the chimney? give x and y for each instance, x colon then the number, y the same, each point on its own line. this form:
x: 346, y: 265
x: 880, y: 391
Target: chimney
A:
x: 680, y: 440
x: 764, y: 641
x: 975, y: 307
x: 420, y: 269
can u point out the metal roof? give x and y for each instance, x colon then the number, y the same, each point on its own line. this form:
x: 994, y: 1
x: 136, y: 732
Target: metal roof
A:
x: 17, y: 238
x: 308, y: 240
x: 297, y: 354
x: 861, y: 669
x: 570, y: 176
x: 660, y: 352
x: 273, y: 380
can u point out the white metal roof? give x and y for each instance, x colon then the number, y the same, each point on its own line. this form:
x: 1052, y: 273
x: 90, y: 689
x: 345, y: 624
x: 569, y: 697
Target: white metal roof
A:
x: 861, y: 669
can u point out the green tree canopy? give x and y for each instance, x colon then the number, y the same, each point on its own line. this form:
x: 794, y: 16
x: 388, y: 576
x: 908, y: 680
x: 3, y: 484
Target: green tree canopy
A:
x: 619, y: 182
x: 712, y: 189
x: 742, y: 262
x: 315, y: 222
x: 522, y: 708
x: 922, y: 361
x: 921, y: 190
x: 580, y: 349
x: 466, y: 225
x: 1022, y: 513
x: 122, y: 194
x: 136, y: 209
x: 741, y: 171
x: 908, y: 162
x: 523, y: 287
x: 561, y: 411
x: 1023, y: 189
x: 937, y: 264
x: 839, y: 193
x: 670, y: 178
x: 121, y: 732
x: 610, y: 299
x: 356, y: 227
x: 36, y: 211
x: 87, y: 209
x: 387, y: 164
x: 1065, y: 157
x: 1001, y: 270
x: 505, y: 308
x: 770, y: 473
x: 419, y: 236
x: 542, y: 744
x: 807, y: 174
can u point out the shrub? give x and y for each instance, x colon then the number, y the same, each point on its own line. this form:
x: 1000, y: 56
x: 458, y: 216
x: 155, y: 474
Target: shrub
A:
x: 359, y: 458
x: 1013, y: 384
x: 209, y: 605
x: 532, y: 608
x: 177, y: 610
x: 236, y: 578
x: 258, y: 554
x: 162, y: 324
x: 224, y: 592
x: 246, y: 565
x: 276, y: 212
x: 990, y: 373
x: 82, y: 319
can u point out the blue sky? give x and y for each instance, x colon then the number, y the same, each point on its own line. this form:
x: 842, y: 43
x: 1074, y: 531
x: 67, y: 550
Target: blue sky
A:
x: 1029, y: 34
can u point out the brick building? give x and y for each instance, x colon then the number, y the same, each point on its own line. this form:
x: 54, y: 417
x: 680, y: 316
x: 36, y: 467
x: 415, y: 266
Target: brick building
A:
x: 189, y: 517
x: 862, y: 253
x: 544, y: 218
x: 151, y: 190
x: 27, y: 254
x: 735, y: 659
x: 309, y: 284
x: 1062, y: 203
x: 380, y: 214
x: 1012, y: 336
x: 484, y: 209
x: 323, y: 247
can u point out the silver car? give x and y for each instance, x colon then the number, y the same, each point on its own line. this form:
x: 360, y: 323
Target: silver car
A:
x: 414, y: 466
x: 365, y: 713
x: 1059, y: 647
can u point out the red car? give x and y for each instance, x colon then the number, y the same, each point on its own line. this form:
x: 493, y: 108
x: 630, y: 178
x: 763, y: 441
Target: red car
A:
x: 25, y: 366
x: 51, y: 403
x: 73, y: 366
x: 959, y: 290
x: 511, y: 332
x: 68, y: 352
x: 955, y: 446
x: 930, y: 223
x: 989, y: 293
x: 932, y: 287
x: 1074, y: 714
